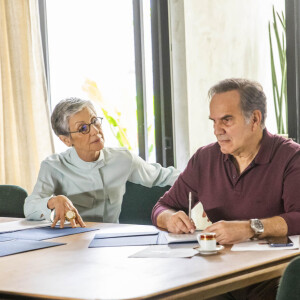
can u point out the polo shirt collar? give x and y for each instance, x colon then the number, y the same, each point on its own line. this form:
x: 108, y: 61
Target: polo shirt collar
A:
x: 265, y: 151
x: 264, y: 154
x: 77, y: 161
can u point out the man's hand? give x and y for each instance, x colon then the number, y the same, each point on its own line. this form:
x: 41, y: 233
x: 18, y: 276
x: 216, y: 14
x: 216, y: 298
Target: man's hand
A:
x: 62, y: 204
x: 231, y: 232
x: 176, y: 222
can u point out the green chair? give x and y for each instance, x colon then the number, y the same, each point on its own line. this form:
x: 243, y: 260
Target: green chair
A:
x: 289, y: 286
x: 138, y: 202
x: 12, y: 201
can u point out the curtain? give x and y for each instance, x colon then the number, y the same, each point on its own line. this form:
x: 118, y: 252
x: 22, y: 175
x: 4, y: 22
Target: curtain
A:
x: 25, y: 134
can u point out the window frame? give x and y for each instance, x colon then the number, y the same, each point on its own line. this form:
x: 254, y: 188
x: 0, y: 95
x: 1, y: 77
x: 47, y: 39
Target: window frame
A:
x: 161, y: 77
x: 163, y: 107
x: 292, y: 8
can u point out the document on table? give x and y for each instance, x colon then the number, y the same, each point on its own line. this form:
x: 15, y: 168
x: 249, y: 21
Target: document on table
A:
x: 262, y: 245
x: 166, y: 251
x: 141, y: 238
x: 22, y: 224
x: 45, y: 233
x: 119, y: 239
x: 19, y: 246
x: 4, y: 238
x: 174, y: 238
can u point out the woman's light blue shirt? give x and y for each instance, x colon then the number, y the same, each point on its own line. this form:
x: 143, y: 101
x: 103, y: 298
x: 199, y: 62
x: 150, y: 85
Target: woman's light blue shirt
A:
x: 95, y: 188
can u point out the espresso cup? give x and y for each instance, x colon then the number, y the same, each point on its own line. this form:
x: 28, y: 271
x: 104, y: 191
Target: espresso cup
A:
x: 207, y: 241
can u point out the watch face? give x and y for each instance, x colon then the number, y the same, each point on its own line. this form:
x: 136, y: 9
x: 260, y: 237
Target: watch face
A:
x: 257, y: 225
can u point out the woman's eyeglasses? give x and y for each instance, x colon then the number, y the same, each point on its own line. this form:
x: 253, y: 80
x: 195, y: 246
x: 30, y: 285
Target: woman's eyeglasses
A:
x: 85, y: 128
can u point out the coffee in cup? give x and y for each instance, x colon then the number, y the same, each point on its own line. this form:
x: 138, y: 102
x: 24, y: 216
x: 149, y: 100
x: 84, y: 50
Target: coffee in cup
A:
x: 207, y: 241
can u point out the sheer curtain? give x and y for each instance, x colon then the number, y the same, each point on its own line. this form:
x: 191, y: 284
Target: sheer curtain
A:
x: 25, y: 134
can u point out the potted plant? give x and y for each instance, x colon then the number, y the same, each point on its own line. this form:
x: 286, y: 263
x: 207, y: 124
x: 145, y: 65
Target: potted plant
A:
x: 278, y: 69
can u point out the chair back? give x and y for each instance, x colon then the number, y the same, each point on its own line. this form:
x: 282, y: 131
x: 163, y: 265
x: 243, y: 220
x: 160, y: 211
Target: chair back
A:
x: 289, y: 286
x: 12, y: 199
x: 138, y: 202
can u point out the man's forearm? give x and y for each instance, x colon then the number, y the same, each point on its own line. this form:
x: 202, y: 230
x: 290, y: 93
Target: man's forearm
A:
x: 275, y: 226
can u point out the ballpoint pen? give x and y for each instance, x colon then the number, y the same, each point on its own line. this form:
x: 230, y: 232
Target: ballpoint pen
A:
x: 190, y: 204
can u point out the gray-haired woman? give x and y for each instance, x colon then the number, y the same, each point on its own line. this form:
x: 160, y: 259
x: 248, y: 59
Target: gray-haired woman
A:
x: 87, y: 182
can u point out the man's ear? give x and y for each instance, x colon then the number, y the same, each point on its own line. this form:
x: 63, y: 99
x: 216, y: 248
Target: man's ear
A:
x: 66, y: 140
x: 256, y: 119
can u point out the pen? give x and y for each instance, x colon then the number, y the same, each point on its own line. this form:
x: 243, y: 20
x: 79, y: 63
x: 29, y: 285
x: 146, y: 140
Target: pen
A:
x: 190, y: 204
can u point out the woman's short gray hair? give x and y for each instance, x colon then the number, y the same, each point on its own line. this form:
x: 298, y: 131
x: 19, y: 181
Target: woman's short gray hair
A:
x: 65, y: 109
x: 251, y: 94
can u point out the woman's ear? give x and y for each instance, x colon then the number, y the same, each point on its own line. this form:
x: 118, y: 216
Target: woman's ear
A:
x: 66, y: 140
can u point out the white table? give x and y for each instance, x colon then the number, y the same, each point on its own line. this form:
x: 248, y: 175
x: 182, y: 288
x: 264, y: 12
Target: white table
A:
x: 78, y: 272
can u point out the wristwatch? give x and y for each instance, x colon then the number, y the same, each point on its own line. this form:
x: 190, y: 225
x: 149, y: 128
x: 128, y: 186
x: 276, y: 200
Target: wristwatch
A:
x: 257, y: 226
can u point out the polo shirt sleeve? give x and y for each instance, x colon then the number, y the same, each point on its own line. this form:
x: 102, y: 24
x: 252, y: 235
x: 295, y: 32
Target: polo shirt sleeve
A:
x: 291, y: 195
x: 151, y: 174
x: 177, y: 197
x: 35, y: 207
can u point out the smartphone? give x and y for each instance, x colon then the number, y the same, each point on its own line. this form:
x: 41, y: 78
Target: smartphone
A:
x: 280, y: 241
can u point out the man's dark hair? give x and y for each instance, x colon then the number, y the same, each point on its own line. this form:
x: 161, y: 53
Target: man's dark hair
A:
x: 251, y: 94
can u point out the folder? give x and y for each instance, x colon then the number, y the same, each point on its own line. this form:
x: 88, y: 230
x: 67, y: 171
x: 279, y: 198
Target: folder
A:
x: 142, y: 238
x: 4, y: 239
x: 19, y: 246
x: 45, y: 233
x: 125, y: 239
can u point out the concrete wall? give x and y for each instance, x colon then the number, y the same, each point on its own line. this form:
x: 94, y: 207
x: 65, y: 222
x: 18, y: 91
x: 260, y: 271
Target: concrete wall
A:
x: 212, y: 40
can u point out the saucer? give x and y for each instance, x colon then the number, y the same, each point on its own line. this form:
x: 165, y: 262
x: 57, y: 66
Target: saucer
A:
x: 210, y: 252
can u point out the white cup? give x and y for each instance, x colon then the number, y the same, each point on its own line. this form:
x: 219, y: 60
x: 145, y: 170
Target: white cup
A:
x: 207, y: 241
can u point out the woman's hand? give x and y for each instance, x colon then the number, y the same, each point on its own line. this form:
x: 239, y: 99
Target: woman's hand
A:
x: 62, y: 204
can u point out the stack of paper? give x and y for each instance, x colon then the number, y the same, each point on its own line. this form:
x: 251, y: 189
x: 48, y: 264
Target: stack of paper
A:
x: 23, y: 235
x: 22, y: 224
x: 173, y: 238
x: 45, y: 233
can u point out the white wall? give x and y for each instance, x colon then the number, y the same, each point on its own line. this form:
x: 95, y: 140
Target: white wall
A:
x: 212, y: 40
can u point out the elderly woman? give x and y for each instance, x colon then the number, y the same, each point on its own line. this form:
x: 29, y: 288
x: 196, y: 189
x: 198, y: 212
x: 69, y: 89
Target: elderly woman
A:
x: 87, y: 182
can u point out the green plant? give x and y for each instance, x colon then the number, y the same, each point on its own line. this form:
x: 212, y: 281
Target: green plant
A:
x: 279, y: 79
x: 111, y: 114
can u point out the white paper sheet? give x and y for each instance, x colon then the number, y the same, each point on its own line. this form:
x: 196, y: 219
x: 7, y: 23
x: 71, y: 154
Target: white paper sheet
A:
x: 262, y: 245
x: 167, y: 251
x: 22, y: 224
x: 200, y: 222
x: 181, y: 238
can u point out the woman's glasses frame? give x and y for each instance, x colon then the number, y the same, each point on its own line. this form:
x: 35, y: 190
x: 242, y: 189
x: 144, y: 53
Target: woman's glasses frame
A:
x: 85, y: 128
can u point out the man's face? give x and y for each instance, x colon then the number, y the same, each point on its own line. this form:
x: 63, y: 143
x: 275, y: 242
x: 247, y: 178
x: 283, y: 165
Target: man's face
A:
x: 230, y: 128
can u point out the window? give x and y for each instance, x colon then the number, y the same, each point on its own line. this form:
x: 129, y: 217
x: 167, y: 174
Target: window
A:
x: 102, y: 50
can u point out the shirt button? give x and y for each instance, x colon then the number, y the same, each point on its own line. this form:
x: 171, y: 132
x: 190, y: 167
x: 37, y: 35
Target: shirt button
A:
x: 234, y: 176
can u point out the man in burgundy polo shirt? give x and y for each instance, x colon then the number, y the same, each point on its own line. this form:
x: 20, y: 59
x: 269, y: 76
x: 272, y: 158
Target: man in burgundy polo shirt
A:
x: 248, y: 181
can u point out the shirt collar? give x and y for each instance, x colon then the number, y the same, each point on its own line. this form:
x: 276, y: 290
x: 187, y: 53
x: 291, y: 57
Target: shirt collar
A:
x: 266, y: 148
x: 265, y: 151
x: 77, y: 161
